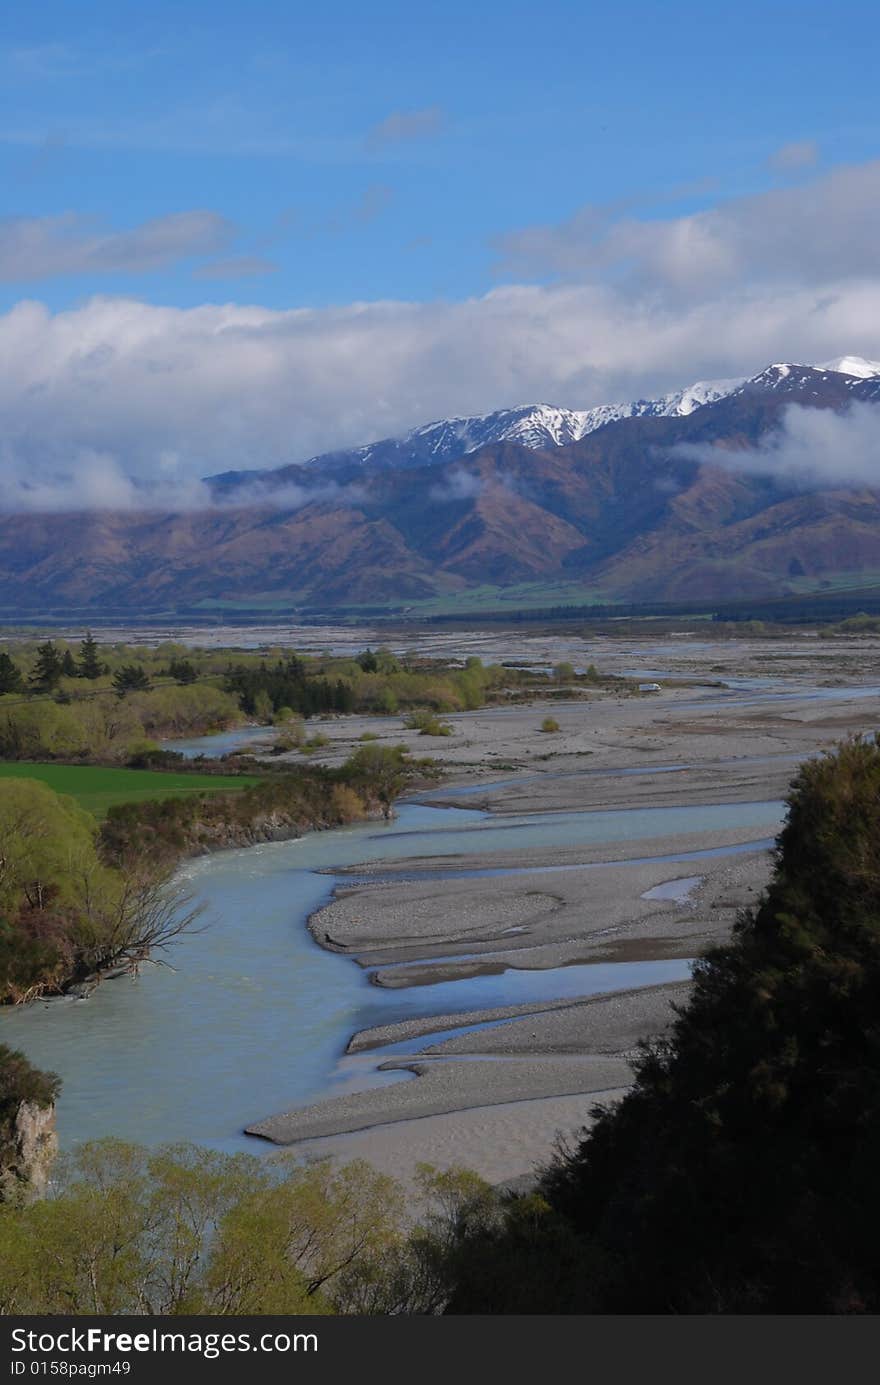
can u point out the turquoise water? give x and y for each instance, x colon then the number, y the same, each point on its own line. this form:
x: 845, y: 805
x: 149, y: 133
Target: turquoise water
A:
x: 254, y: 1016
x: 241, y: 738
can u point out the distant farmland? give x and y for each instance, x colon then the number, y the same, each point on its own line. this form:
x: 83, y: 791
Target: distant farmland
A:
x: 97, y: 789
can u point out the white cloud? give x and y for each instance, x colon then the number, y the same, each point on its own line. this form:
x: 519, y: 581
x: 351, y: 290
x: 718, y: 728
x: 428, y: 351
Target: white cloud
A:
x: 406, y: 125
x: 287, y: 497
x: 236, y: 267
x: 224, y: 387
x: 374, y: 201
x: 802, y: 153
x: 812, y: 448
x: 41, y: 247
x: 823, y: 230
x: 91, y: 480
x: 458, y: 485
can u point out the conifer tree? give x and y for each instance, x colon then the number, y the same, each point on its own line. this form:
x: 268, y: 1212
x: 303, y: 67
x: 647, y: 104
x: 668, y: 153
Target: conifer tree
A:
x: 47, y: 670
x: 10, y: 675
x: 89, y: 664
x: 130, y: 678
x: 182, y: 671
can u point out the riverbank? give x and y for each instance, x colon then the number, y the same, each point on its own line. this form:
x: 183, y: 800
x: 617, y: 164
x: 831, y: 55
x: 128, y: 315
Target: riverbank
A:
x: 584, y: 868
x: 618, y: 898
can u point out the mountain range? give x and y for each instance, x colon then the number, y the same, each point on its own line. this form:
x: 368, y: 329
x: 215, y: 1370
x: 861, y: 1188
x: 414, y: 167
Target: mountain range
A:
x: 655, y: 500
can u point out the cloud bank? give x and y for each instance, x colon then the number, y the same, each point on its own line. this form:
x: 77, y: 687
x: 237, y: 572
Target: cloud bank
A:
x: 812, y: 449
x: 458, y: 485
x: 163, y: 396
x: 190, y: 392
x: 821, y: 231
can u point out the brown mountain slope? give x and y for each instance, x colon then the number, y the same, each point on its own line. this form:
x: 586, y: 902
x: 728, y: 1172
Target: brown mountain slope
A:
x: 624, y: 510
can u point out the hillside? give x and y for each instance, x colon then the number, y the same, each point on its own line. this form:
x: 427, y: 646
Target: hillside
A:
x: 635, y: 508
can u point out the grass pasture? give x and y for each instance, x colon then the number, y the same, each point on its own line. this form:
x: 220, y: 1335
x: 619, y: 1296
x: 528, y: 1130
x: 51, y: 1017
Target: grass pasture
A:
x: 97, y: 788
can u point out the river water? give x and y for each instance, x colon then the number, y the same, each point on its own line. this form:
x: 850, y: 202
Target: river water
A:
x: 254, y: 1016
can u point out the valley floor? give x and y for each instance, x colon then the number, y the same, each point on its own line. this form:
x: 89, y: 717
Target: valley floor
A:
x: 497, y: 1097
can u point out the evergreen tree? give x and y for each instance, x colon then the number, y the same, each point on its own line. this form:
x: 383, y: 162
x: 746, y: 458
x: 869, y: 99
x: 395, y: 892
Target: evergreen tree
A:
x: 182, y: 671
x: 68, y: 667
x: 130, y: 678
x: 90, y: 665
x: 10, y: 675
x: 48, y: 668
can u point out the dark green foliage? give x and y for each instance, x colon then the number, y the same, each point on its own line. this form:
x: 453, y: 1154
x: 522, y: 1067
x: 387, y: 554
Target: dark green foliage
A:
x: 155, y: 757
x: 368, y: 662
x: 165, y: 829
x: 293, y: 800
x: 47, y: 670
x: 740, y: 1173
x: 381, y: 772
x: 21, y: 1082
x: 287, y: 685
x: 130, y: 678
x: 182, y: 671
x: 34, y: 949
x: 11, y: 680
x: 90, y: 665
x: 68, y: 667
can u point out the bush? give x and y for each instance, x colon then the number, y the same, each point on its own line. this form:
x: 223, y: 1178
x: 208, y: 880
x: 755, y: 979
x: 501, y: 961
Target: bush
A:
x: 20, y: 1084
x: 291, y: 738
x: 550, y: 725
x: 314, y: 743
x: 427, y: 724
x: 347, y: 804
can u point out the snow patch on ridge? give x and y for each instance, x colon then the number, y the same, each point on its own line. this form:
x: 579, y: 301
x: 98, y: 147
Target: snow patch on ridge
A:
x: 852, y: 365
x: 546, y: 425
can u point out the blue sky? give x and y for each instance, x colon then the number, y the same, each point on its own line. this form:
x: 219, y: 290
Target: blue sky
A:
x: 238, y: 234
x: 495, y: 116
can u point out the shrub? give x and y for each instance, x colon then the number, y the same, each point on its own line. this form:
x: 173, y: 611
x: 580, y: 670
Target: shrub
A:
x: 550, y: 725
x: 291, y: 738
x: 427, y: 724
x: 346, y: 803
x: 314, y: 743
x: 20, y: 1083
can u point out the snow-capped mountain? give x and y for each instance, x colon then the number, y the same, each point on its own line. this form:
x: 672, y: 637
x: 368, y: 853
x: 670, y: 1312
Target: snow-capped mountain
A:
x: 547, y: 425
x: 530, y: 425
x: 851, y: 365
x: 847, y: 373
x: 538, y: 426
x: 636, y: 508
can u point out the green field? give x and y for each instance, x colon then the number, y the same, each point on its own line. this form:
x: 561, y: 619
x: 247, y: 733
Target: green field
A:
x: 97, y: 789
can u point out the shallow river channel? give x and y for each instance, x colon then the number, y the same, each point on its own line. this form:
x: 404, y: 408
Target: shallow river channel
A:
x: 253, y: 1016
